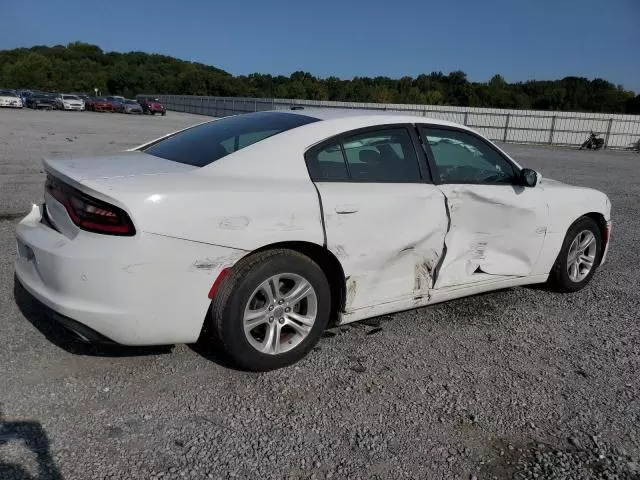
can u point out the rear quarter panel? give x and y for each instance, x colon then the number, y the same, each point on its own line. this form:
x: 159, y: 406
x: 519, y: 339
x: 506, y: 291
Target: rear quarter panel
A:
x: 237, y: 212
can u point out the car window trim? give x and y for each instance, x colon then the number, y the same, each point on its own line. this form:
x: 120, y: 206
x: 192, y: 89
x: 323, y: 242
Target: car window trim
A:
x: 340, y: 138
x: 425, y: 163
x: 436, y: 172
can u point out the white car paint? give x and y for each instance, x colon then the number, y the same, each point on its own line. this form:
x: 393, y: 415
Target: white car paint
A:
x: 498, y: 229
x: 400, y: 245
x: 13, y: 101
x: 71, y: 102
x: 388, y: 238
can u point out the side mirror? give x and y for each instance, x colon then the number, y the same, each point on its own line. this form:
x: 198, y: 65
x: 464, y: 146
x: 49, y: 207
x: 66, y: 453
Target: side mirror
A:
x: 529, y: 178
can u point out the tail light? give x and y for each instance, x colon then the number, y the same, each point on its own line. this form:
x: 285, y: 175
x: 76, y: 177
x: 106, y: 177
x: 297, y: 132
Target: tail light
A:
x: 89, y: 213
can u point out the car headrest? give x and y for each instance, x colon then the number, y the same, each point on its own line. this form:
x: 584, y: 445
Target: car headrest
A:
x: 369, y: 156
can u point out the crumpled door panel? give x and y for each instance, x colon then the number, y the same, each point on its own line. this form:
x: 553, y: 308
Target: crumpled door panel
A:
x: 388, y: 237
x: 494, y: 229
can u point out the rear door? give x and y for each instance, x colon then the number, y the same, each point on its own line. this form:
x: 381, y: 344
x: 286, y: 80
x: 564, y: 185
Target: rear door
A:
x: 384, y: 219
x: 497, y: 227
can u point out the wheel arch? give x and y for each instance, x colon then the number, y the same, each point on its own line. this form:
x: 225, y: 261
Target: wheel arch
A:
x: 602, y: 226
x: 327, y: 262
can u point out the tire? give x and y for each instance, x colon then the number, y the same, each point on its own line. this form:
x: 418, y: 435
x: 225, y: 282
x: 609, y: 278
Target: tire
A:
x: 559, y: 278
x: 242, y: 287
x: 164, y: 113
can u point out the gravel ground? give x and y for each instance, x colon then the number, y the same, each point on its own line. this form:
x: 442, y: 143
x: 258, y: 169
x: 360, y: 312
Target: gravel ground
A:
x: 521, y: 383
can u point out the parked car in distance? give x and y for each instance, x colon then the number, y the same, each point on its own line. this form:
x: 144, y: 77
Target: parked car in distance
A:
x: 151, y: 105
x: 81, y: 96
x: 24, y: 94
x: 70, y: 102
x: 115, y: 101
x: 100, y: 104
x: 129, y: 106
x: 260, y: 228
x: 10, y: 98
x: 44, y: 100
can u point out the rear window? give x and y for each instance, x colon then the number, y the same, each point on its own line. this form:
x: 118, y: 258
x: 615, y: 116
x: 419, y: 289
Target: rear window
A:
x: 204, y: 144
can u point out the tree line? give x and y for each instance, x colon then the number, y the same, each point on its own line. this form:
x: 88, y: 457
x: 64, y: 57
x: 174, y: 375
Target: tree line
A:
x: 81, y: 67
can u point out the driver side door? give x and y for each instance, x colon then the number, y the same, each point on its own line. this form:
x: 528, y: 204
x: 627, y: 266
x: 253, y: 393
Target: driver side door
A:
x: 497, y: 226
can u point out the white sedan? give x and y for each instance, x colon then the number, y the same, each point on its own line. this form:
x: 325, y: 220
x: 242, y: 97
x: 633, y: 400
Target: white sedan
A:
x: 9, y: 98
x: 258, y: 230
x: 70, y: 102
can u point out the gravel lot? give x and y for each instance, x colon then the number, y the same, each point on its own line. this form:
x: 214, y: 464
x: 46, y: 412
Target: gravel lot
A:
x: 511, y: 384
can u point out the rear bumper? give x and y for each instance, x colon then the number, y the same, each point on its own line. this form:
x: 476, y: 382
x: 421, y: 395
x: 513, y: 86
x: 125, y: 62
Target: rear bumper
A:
x: 142, y: 290
x: 79, y: 330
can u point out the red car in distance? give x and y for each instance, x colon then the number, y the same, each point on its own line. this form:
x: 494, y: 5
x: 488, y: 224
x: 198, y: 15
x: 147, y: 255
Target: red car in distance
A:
x: 151, y: 105
x: 99, y: 104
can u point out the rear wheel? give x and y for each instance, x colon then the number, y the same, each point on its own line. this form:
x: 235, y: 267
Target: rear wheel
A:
x: 578, y: 258
x: 271, y: 310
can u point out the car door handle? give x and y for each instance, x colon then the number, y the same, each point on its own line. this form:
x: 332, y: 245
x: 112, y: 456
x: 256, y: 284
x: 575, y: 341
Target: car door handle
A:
x: 346, y: 209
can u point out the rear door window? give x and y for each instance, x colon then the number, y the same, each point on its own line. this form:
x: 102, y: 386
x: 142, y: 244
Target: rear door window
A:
x: 379, y: 156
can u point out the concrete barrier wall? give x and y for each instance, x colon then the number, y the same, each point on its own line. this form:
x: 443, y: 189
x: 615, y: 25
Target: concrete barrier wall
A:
x: 517, y: 126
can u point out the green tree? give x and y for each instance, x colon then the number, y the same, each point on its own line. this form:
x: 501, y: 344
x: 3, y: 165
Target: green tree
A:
x: 80, y: 66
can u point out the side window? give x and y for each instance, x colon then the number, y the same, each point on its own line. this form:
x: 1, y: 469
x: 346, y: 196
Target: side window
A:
x: 385, y: 156
x: 327, y: 164
x: 464, y: 158
x: 381, y: 156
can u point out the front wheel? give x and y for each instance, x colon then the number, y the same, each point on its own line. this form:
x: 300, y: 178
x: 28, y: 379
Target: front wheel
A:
x: 271, y: 310
x: 578, y: 258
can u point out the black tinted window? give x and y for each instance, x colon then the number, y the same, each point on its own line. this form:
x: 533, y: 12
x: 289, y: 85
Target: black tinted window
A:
x: 464, y: 158
x: 380, y: 156
x: 204, y: 144
x: 328, y: 165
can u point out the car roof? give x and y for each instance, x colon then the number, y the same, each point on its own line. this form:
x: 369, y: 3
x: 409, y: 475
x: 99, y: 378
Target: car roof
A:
x: 366, y: 116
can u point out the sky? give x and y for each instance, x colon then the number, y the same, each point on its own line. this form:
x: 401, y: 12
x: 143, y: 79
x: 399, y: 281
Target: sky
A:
x: 519, y: 39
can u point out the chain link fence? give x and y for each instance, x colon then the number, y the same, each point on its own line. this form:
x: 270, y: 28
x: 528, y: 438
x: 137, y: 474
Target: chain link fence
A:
x: 515, y: 126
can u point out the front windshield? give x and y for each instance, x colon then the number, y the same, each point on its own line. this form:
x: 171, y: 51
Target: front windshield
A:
x: 206, y: 143
x: 70, y: 97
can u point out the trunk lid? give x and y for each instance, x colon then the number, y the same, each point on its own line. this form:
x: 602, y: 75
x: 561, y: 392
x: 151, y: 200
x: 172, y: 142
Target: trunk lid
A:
x: 97, y: 177
x: 122, y: 164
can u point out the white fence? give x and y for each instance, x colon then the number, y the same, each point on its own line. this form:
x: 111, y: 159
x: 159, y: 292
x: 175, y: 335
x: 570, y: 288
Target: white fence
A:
x: 516, y: 126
